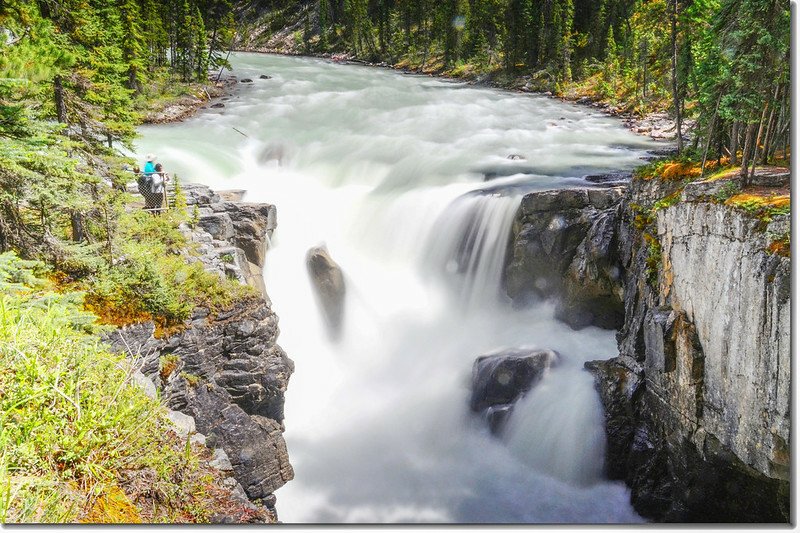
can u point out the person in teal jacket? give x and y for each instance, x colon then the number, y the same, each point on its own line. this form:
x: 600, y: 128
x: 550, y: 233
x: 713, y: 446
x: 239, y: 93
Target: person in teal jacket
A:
x: 149, y: 166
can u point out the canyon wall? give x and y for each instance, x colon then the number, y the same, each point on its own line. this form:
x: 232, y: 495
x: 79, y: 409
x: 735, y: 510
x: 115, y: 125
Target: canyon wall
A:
x: 697, y: 402
x: 224, y: 374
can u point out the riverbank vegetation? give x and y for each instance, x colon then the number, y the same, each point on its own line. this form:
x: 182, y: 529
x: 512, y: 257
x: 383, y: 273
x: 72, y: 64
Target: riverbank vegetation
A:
x: 72, y: 76
x: 79, y: 442
x: 721, y: 66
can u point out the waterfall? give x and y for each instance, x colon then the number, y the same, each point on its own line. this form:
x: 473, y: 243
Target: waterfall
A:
x: 467, y: 246
x: 387, y: 174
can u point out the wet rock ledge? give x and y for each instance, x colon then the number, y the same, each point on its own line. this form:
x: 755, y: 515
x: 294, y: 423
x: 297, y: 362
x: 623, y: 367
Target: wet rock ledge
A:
x: 225, y: 376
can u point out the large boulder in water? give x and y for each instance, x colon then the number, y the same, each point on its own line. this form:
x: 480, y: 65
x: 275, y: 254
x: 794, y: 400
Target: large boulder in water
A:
x: 329, y: 287
x: 565, y: 246
x: 500, y: 379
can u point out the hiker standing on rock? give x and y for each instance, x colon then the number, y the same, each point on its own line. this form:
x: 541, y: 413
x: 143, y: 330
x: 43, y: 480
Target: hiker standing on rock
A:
x: 151, y: 183
x: 159, y: 185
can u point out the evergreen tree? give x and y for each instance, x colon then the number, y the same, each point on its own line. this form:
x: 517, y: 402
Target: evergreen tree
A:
x: 754, y: 42
x: 133, y: 42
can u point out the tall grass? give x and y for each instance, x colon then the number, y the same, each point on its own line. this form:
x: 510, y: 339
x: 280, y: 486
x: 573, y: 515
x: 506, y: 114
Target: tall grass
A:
x: 72, y: 426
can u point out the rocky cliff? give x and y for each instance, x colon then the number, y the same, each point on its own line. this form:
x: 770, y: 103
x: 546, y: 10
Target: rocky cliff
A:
x: 225, y: 371
x: 697, y: 403
x: 563, y: 247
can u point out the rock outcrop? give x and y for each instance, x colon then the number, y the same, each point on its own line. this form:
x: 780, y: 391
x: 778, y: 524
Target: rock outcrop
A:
x: 329, y: 287
x: 500, y: 379
x: 233, y: 236
x: 697, y: 403
x: 225, y: 370
x: 563, y: 246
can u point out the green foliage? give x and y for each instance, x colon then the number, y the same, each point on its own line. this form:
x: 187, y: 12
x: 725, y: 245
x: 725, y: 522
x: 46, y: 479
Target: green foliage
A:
x: 180, y: 198
x: 765, y: 208
x: 648, y: 171
x: 194, y: 218
x: 668, y: 201
x: 780, y: 244
x: 150, y: 278
x: 71, y: 422
x: 730, y: 188
x: 18, y: 275
x: 653, y: 259
x: 191, y: 379
x: 753, y: 42
x: 167, y: 364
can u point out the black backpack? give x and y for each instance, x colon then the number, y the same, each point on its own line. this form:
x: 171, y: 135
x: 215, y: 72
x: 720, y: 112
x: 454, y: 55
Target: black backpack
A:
x: 145, y: 183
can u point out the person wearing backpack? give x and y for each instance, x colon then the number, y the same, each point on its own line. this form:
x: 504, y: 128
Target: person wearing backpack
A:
x: 150, y: 183
x: 158, y: 180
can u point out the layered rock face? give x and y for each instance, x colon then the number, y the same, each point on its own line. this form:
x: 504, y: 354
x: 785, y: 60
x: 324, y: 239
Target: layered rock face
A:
x: 226, y: 370
x: 232, y: 235
x: 697, y: 403
x: 563, y: 246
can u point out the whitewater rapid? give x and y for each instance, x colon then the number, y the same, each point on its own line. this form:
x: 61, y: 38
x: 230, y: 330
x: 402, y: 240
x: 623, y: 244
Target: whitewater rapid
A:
x: 387, y: 170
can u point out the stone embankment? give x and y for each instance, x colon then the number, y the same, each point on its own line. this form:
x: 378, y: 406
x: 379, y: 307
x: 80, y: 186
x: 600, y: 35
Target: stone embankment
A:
x: 697, y: 402
x: 224, y: 376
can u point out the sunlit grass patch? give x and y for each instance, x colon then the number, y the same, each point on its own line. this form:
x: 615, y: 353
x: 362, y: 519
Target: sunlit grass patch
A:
x: 73, y: 428
x: 762, y: 206
x: 724, y: 173
x: 753, y: 201
x: 112, y: 506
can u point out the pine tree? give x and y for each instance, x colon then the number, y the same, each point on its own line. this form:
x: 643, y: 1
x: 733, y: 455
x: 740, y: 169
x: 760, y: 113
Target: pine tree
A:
x: 324, y: 22
x: 563, y: 12
x: 133, y: 42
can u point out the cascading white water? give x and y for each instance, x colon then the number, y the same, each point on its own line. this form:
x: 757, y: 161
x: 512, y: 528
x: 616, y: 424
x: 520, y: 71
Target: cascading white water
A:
x: 387, y: 170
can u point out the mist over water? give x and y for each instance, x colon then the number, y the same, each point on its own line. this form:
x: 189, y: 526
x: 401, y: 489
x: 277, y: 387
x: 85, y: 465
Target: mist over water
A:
x: 387, y: 171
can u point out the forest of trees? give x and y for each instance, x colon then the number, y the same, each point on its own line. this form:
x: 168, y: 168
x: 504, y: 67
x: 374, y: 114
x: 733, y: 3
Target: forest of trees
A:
x: 72, y: 73
x: 724, y: 63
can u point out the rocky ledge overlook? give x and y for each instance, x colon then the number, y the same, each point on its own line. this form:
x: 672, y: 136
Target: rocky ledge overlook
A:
x: 224, y: 376
x: 697, y: 402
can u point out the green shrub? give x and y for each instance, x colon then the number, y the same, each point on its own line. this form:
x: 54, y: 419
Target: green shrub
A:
x: 151, y: 279
x: 668, y: 201
x: 731, y: 188
x: 653, y: 260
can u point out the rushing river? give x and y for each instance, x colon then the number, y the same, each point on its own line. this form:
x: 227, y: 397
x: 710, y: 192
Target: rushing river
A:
x: 383, y: 168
